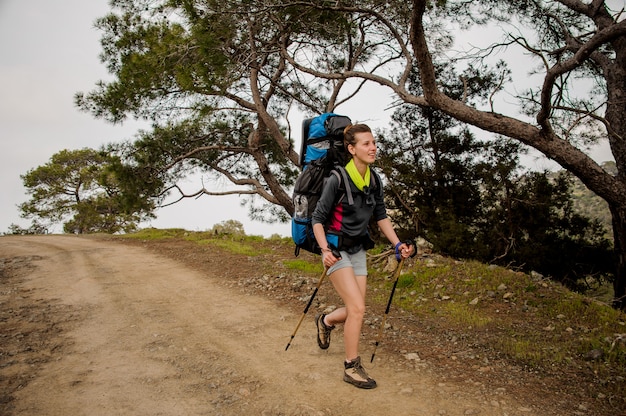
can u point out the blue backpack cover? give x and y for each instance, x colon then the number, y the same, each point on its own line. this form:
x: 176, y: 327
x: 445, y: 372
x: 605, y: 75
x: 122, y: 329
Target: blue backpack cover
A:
x: 320, y: 134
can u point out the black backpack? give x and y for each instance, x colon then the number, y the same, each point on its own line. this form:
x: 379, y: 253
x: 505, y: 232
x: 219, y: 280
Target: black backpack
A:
x: 322, y: 154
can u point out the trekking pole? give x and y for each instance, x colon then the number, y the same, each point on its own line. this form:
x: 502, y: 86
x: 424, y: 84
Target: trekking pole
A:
x: 308, y: 305
x: 396, y: 275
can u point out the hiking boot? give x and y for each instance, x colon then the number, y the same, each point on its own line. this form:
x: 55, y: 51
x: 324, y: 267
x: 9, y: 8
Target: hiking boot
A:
x: 323, y: 332
x: 356, y: 375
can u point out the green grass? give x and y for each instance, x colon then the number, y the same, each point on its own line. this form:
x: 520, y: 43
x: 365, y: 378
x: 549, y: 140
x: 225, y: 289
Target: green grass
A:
x: 234, y: 247
x: 537, y: 323
x: 303, y: 266
x: 465, y: 315
x: 156, y: 234
x: 234, y: 243
x: 524, y: 350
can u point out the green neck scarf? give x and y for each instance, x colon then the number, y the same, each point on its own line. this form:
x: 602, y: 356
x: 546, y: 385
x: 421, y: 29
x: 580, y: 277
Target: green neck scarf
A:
x: 356, y: 177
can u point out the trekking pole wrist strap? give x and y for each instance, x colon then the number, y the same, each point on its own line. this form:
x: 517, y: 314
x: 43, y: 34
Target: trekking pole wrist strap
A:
x: 332, y: 249
x: 408, y: 243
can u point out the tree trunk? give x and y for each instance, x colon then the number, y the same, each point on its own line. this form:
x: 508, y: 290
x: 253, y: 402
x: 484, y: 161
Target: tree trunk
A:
x: 619, y: 236
x: 615, y: 75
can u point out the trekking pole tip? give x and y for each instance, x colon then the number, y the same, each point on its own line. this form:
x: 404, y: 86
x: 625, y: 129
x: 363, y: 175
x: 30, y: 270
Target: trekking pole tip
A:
x: 289, y: 343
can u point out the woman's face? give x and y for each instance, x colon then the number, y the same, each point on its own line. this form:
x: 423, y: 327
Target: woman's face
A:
x: 365, y: 148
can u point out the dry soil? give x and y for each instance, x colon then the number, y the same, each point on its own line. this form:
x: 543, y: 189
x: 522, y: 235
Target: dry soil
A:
x: 98, y: 327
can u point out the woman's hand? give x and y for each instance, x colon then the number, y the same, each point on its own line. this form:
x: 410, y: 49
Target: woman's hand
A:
x: 330, y: 256
x: 404, y: 250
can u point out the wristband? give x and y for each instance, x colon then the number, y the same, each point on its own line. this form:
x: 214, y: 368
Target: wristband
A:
x: 398, y: 256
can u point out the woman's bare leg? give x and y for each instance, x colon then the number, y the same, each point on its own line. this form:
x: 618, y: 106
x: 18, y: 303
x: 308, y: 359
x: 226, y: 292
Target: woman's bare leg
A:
x: 351, y: 289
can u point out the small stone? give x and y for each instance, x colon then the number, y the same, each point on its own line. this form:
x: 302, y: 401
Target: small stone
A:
x: 536, y: 275
x: 594, y: 354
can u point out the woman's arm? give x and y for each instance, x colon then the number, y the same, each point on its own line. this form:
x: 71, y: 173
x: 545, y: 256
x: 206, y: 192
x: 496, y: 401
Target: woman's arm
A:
x: 387, y: 229
x: 319, y: 217
x: 328, y: 258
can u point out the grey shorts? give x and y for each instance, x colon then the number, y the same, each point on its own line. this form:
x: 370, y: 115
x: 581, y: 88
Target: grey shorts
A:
x: 358, y: 261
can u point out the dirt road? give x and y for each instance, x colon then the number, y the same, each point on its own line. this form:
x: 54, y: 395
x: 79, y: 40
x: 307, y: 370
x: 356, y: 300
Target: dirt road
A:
x: 113, y: 329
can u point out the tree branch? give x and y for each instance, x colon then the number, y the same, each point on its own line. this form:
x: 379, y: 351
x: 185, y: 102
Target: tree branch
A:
x: 199, y: 193
x: 583, y: 52
x: 194, y: 152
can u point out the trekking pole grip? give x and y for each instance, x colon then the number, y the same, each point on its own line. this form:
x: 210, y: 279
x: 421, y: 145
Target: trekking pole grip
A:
x: 408, y: 243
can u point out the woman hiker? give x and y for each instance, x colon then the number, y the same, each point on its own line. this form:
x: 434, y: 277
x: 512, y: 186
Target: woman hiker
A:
x: 346, y: 228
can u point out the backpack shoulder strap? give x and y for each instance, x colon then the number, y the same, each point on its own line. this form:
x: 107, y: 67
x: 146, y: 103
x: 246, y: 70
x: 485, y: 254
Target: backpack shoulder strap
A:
x: 377, y: 183
x: 341, y: 174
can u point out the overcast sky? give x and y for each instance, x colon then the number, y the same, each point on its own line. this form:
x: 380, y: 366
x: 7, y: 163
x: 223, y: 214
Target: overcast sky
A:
x: 48, y: 52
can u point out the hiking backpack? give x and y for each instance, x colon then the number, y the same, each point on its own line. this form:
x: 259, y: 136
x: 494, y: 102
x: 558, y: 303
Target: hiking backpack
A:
x: 322, y: 154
